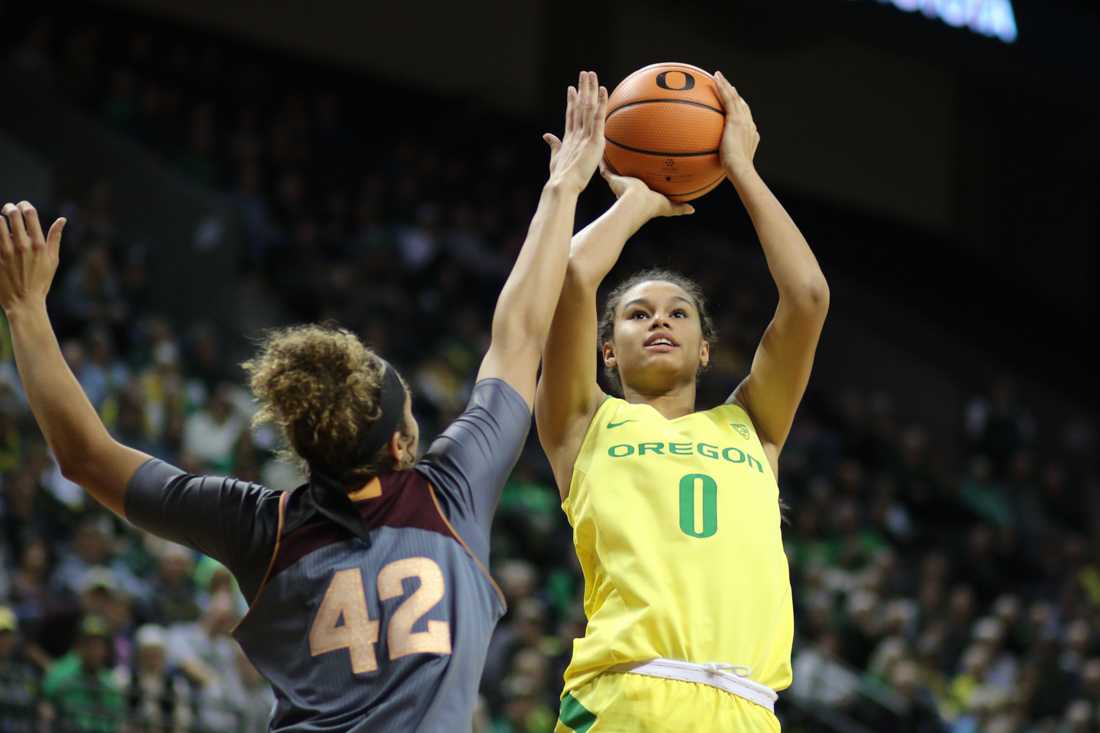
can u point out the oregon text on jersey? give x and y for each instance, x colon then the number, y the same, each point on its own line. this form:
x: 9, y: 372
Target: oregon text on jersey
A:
x: 706, y: 450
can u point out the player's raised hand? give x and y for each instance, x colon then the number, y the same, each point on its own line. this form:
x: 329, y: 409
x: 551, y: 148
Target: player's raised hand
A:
x: 655, y: 204
x: 740, y: 137
x: 573, y: 158
x: 28, y: 258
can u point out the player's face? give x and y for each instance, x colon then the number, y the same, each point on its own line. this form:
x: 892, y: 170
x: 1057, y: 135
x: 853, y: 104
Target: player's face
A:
x: 658, y: 338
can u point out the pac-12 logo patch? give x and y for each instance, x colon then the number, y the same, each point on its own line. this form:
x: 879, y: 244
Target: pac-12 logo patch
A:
x: 742, y: 429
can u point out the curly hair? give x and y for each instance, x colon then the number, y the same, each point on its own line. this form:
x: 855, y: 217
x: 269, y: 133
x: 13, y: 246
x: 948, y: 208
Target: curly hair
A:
x: 319, y: 385
x: 695, y: 293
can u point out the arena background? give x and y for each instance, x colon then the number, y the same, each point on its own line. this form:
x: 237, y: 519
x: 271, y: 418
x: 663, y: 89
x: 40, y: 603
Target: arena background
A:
x: 227, y: 167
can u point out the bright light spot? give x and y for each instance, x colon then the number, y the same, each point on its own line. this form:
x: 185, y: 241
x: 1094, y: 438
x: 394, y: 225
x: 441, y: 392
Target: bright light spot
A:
x: 994, y: 18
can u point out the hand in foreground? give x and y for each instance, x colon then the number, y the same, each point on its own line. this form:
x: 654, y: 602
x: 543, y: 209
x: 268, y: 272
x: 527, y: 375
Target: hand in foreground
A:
x: 28, y: 258
x: 574, y: 158
x: 740, y: 137
x: 655, y: 204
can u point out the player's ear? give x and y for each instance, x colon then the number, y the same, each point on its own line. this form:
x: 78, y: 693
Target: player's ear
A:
x: 396, y: 446
x: 609, y: 360
x: 704, y: 354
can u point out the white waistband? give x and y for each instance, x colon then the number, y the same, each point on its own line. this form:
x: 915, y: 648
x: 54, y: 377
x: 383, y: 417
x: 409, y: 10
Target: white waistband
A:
x: 726, y: 677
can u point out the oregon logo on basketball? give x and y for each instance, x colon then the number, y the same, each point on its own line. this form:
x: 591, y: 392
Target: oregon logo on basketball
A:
x: 681, y: 81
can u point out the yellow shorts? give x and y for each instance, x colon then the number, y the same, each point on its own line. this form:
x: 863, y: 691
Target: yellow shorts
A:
x: 620, y: 702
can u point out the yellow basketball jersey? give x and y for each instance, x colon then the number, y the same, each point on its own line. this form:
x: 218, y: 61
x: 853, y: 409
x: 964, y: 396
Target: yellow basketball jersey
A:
x: 677, y: 528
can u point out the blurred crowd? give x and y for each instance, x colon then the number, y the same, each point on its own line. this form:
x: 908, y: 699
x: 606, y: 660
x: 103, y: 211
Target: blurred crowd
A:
x: 942, y: 582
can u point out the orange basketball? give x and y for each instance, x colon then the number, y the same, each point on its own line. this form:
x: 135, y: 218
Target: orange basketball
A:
x: 664, y: 126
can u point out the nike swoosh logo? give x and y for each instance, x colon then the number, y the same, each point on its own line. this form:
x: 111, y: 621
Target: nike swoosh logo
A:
x: 612, y: 425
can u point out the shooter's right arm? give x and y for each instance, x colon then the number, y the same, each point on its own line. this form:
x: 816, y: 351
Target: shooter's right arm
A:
x: 568, y: 393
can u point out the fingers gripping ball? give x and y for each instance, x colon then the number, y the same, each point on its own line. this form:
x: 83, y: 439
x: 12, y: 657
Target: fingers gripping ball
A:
x: 664, y: 126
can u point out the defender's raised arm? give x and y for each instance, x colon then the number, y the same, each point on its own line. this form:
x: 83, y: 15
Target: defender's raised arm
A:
x: 85, y: 452
x: 525, y: 308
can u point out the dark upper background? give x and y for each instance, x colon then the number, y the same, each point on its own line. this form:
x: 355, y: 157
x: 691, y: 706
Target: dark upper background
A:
x: 932, y: 164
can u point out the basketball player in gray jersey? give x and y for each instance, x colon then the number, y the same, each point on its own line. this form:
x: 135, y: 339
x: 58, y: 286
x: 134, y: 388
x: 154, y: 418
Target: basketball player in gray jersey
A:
x: 371, y: 606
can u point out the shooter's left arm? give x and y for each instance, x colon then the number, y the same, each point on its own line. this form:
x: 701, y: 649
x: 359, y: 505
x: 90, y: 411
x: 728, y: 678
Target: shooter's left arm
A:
x: 784, y: 358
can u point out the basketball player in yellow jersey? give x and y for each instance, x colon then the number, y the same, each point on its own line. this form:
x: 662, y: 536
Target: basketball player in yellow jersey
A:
x: 676, y: 512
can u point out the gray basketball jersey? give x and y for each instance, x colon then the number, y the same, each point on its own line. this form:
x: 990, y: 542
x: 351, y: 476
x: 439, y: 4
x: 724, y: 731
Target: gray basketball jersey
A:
x: 381, y: 629
x: 390, y: 636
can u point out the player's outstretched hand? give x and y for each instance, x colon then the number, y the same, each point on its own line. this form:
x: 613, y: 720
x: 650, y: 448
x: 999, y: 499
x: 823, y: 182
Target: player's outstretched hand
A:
x: 573, y: 159
x: 655, y: 204
x: 28, y: 258
x: 740, y: 136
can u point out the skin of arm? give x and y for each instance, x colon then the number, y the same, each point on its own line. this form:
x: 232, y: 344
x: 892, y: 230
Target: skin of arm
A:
x: 568, y: 393
x: 784, y: 358
x: 85, y: 452
x: 525, y: 308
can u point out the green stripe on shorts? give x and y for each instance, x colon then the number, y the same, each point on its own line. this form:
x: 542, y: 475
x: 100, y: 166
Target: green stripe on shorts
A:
x: 575, y: 715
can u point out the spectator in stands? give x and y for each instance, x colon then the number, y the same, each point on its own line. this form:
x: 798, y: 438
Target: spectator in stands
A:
x: 255, y: 698
x: 102, y: 373
x: 998, y: 424
x: 80, y: 688
x: 517, y: 580
x: 19, y: 680
x: 162, y: 387
x: 211, y: 434
x: 172, y: 592
x: 158, y: 698
x: 522, y: 710
x: 960, y: 615
x: 1090, y: 681
x: 90, y: 293
x: 971, y: 679
x: 213, y: 578
x: 37, y: 608
x: 918, y: 709
x: 205, y: 360
x: 130, y: 422
x: 21, y: 520
x: 96, y: 591
x: 1079, y: 718
x: 207, y: 655
x: 989, y: 634
x: 91, y: 547
x: 11, y: 438
x: 1054, y: 685
x: 819, y: 676
x: 862, y: 627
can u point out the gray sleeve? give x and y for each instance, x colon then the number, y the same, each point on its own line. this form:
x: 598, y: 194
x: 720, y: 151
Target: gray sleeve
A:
x: 469, y: 463
x: 234, y: 522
